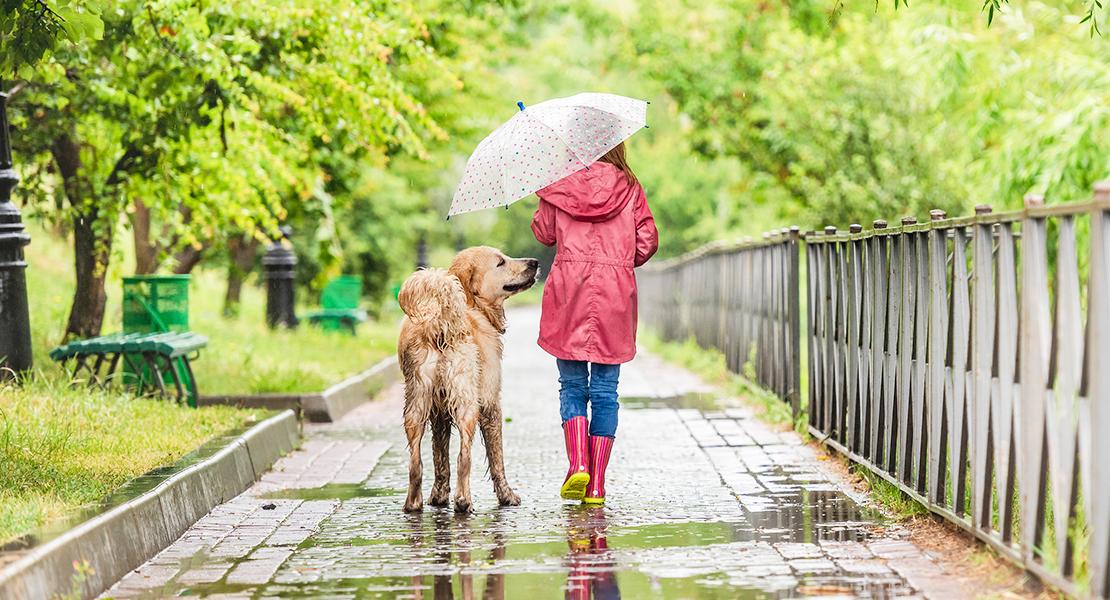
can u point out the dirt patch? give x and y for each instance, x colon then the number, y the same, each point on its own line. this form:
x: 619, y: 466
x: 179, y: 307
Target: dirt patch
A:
x: 981, y: 571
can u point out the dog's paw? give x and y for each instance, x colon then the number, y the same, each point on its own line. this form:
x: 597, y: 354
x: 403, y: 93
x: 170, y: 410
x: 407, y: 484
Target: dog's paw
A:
x: 509, y: 499
x: 439, y: 499
x: 463, y: 506
x: 414, y: 505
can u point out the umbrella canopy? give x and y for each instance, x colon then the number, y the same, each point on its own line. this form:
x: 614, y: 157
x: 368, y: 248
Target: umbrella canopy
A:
x: 544, y: 143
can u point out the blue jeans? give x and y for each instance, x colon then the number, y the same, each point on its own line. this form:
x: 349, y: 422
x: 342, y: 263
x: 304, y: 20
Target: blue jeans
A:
x: 594, y: 383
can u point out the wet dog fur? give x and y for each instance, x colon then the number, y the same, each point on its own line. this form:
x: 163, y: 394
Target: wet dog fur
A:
x: 450, y: 353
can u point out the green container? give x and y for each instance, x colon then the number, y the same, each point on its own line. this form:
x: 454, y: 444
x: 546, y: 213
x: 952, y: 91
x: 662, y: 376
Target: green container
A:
x: 156, y: 303
x: 342, y: 292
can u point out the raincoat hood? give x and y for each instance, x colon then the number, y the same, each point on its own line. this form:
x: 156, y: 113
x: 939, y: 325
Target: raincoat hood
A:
x: 596, y: 194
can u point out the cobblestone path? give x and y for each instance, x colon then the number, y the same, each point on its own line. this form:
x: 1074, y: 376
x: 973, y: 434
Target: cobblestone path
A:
x: 703, y: 503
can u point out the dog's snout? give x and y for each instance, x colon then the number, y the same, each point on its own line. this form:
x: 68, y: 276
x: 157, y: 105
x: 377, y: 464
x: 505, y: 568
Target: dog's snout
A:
x: 533, y: 263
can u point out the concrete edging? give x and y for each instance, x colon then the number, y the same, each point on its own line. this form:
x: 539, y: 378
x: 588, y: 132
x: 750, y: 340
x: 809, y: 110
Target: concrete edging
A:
x: 320, y: 407
x: 125, y: 537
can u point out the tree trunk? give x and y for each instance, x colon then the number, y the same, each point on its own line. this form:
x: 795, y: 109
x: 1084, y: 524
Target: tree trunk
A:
x: 242, y: 251
x: 92, y: 245
x: 146, y: 253
x: 186, y: 259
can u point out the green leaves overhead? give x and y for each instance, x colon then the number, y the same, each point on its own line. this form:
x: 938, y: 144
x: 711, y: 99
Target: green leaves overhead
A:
x: 31, y: 29
x: 232, y: 108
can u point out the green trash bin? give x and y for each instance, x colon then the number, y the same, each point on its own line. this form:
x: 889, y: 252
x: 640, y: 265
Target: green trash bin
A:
x: 157, y: 304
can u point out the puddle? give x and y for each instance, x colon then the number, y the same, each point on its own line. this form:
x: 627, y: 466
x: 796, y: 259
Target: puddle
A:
x: 331, y: 491
x: 128, y: 492
x: 674, y: 529
x: 583, y: 553
x: 698, y: 400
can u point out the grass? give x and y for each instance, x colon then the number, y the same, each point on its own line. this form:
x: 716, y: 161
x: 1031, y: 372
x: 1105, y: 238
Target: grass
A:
x: 243, y: 356
x: 246, y: 357
x: 62, y: 448
x: 897, y: 503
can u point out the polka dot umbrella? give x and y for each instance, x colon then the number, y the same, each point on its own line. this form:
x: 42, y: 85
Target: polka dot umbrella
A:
x: 542, y: 144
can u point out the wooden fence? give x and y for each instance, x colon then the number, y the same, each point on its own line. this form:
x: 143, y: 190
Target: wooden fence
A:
x: 964, y: 360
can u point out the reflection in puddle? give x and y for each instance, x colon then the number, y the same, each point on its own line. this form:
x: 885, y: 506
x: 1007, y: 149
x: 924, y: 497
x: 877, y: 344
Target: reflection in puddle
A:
x: 331, y: 491
x: 591, y: 563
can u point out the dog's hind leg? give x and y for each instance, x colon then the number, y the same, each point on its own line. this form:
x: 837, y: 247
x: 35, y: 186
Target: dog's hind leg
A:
x: 441, y: 458
x: 467, y: 421
x: 416, y: 418
x: 490, y: 422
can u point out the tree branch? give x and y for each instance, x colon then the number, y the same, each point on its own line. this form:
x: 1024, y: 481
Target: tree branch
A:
x: 162, y: 40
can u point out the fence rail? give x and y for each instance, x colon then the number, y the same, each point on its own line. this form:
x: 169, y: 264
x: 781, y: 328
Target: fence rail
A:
x: 964, y: 360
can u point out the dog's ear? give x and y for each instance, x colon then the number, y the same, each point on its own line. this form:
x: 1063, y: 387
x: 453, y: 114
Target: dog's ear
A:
x: 464, y: 270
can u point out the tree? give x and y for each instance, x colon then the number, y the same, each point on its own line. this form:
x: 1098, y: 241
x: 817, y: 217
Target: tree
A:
x: 216, y: 117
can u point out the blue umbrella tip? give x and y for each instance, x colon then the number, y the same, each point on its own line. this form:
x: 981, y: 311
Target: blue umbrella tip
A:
x: 521, y: 105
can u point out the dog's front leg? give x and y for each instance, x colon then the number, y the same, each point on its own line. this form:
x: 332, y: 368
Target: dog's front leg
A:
x: 467, y: 423
x: 491, y: 436
x: 415, y: 419
x: 441, y: 460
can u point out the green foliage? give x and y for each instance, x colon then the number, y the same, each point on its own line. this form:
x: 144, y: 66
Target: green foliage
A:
x: 1026, y: 98
x: 817, y: 115
x: 231, y: 111
x: 226, y: 119
x: 29, y: 30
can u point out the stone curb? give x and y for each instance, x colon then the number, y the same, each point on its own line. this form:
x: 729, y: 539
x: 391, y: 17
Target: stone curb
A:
x: 327, y: 406
x: 128, y: 535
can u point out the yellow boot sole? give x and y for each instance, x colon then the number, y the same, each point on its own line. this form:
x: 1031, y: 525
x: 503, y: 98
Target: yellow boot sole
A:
x: 595, y: 501
x: 575, y: 486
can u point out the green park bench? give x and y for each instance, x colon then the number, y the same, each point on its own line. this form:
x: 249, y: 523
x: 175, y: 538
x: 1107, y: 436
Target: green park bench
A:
x: 154, y: 362
x: 339, y: 302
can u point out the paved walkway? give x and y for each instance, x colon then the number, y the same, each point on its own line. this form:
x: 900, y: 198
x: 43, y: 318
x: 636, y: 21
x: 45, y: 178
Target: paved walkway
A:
x: 702, y: 504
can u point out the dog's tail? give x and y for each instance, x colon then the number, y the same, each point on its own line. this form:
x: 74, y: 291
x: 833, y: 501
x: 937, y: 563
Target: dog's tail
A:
x: 434, y: 302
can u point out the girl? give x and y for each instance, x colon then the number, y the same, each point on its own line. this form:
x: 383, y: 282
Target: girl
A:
x: 600, y: 220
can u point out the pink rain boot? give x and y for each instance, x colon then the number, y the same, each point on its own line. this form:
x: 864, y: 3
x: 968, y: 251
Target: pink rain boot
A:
x: 600, y: 447
x: 575, y: 431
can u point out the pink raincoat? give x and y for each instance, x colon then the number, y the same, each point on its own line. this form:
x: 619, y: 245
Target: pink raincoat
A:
x: 604, y: 228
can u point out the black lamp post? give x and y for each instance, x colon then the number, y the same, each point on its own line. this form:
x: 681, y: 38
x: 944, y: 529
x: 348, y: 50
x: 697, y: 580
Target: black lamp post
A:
x: 422, y: 254
x: 15, y: 321
x: 279, y: 261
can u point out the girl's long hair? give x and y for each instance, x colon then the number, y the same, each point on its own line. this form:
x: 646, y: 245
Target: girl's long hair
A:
x: 616, y: 158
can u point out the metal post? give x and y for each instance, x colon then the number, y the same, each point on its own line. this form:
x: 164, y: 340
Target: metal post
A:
x: 422, y: 254
x: 15, y: 321
x: 278, y: 262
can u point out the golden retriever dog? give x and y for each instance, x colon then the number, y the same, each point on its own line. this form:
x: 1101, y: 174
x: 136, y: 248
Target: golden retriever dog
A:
x: 450, y: 353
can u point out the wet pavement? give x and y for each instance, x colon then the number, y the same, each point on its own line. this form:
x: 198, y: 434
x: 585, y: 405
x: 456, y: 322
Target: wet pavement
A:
x: 703, y: 502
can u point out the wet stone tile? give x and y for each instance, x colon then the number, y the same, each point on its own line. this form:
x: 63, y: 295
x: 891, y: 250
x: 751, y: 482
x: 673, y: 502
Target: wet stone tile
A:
x: 812, y: 565
x: 790, y: 551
